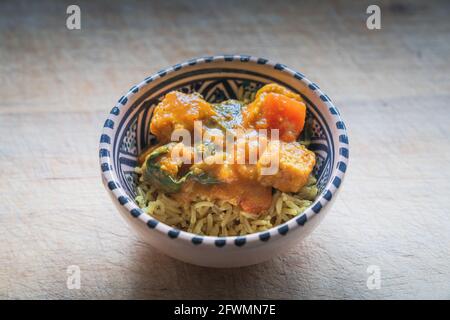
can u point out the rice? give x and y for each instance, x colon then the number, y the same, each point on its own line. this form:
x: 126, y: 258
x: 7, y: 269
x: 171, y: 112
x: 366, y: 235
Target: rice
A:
x: 218, y: 217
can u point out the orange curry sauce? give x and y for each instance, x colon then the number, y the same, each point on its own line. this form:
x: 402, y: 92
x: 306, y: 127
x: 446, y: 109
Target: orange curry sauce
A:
x: 237, y: 179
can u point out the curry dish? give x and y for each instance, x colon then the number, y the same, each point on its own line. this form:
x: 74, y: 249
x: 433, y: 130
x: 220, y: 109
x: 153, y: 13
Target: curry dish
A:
x: 229, y: 168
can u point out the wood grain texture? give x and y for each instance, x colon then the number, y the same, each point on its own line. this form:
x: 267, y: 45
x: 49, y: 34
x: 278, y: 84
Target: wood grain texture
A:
x: 392, y: 87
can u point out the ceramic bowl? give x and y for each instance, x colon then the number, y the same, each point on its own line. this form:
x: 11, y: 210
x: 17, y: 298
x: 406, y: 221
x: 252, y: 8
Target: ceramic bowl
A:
x: 126, y: 133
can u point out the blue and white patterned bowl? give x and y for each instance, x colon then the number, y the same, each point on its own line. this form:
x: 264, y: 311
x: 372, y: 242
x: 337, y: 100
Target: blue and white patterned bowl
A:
x: 125, y: 135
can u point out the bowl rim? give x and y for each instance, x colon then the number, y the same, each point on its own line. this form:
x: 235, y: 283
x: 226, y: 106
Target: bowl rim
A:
x: 110, y: 180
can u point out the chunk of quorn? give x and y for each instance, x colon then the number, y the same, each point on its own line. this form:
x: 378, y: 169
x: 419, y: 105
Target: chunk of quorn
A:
x: 178, y: 111
x: 295, y: 164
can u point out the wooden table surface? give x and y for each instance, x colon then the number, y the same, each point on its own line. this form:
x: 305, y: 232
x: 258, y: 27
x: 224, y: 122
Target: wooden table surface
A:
x: 391, y: 85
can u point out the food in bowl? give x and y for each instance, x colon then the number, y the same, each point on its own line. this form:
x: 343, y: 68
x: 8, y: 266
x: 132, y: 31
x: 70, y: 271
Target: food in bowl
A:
x: 241, y: 166
x: 126, y: 135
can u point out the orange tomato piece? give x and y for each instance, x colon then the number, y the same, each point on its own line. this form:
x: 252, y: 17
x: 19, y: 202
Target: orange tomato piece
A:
x: 285, y: 114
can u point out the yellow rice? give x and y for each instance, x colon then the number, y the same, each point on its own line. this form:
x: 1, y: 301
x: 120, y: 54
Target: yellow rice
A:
x: 221, y: 218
